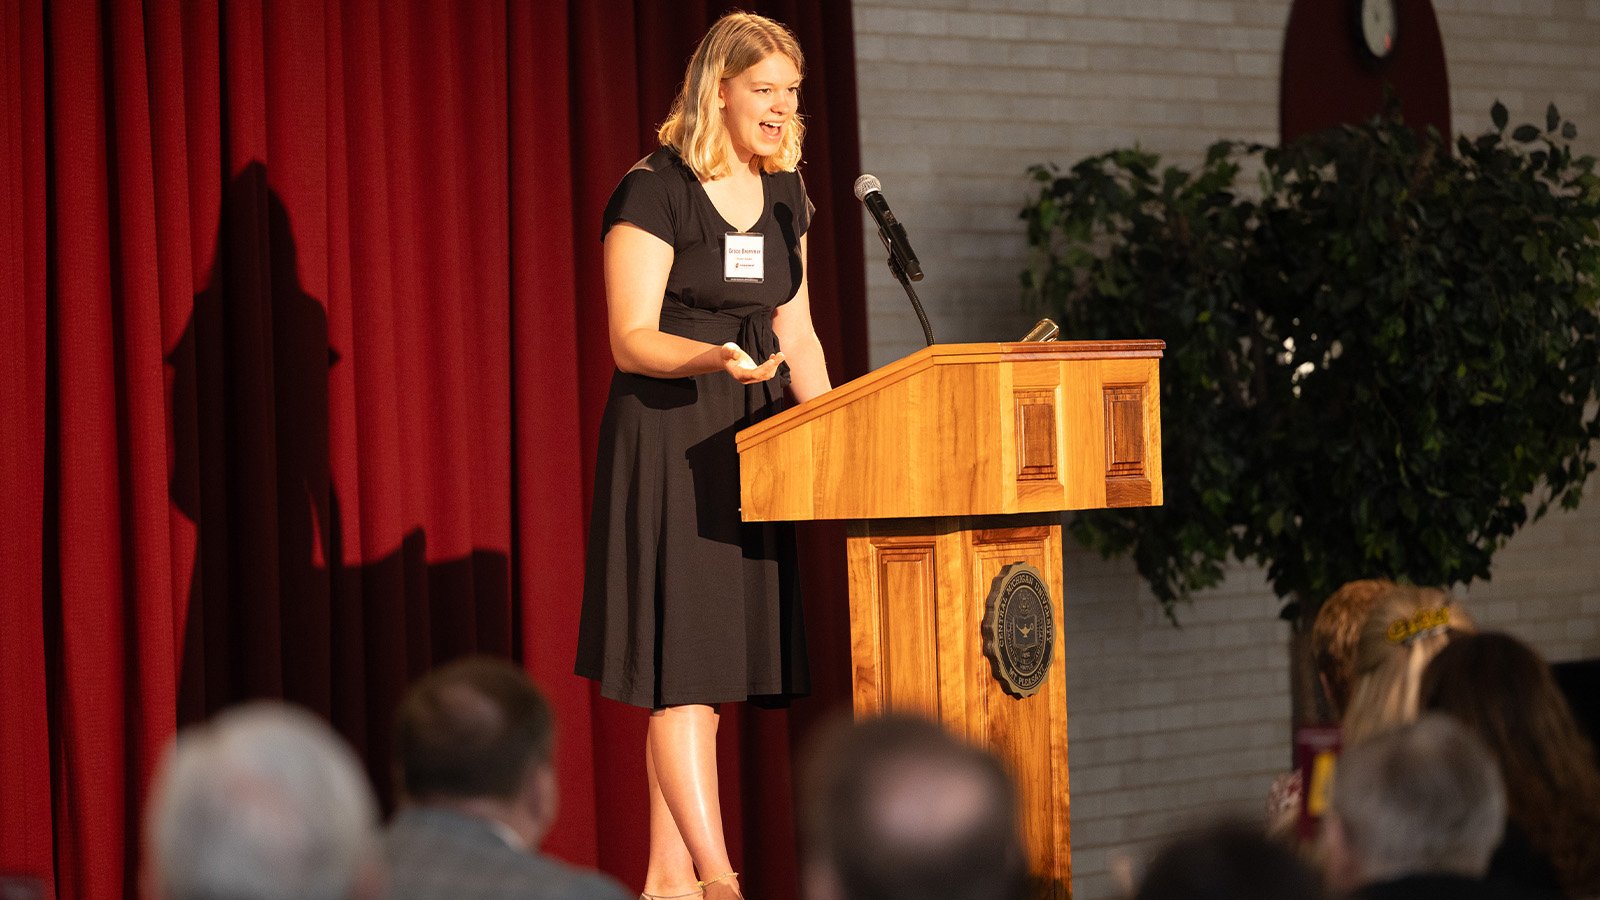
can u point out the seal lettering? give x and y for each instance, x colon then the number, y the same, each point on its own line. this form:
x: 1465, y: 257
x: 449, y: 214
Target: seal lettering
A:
x: 1018, y: 629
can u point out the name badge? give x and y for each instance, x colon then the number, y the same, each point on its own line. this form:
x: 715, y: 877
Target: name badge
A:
x: 743, y: 257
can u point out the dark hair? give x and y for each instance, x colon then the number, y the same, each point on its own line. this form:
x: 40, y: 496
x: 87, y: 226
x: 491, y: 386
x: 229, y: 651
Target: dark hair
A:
x: 898, y: 809
x: 471, y: 729
x: 1229, y: 861
x: 1499, y: 688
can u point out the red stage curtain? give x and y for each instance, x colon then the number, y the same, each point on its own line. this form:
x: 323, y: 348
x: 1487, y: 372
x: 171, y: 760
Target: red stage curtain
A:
x: 302, y: 356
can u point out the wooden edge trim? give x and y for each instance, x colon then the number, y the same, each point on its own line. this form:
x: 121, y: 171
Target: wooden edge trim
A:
x: 1128, y: 491
x: 944, y: 355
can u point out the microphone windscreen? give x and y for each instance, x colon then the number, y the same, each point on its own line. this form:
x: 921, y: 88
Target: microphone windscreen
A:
x: 865, y: 185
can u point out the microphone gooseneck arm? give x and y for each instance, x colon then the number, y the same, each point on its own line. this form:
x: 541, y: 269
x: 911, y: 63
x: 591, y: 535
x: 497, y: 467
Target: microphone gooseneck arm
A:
x: 902, y: 261
x: 905, y: 282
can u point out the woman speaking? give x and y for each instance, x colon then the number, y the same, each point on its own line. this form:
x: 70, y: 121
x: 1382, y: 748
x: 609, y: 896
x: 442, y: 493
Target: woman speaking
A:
x: 685, y: 606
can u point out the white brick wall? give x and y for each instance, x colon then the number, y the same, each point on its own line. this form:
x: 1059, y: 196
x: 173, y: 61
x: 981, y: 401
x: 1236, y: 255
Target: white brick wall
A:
x: 956, y: 103
x: 1167, y: 725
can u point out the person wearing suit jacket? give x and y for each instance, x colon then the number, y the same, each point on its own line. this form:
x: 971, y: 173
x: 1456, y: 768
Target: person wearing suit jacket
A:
x: 473, y: 747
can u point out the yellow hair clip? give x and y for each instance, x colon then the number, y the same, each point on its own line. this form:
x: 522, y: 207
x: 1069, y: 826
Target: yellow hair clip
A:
x: 1425, y: 622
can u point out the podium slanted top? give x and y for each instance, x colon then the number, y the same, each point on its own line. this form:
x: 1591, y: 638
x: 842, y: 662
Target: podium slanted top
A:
x: 966, y: 430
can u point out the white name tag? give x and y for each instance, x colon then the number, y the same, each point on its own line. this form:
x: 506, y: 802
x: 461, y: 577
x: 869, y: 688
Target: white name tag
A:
x: 743, y: 257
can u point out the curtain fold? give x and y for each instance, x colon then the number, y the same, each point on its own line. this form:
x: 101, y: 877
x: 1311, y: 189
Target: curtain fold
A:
x: 26, y: 627
x: 302, y: 358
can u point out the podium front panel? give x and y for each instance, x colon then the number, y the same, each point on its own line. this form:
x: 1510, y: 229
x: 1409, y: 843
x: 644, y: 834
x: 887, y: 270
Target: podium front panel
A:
x: 919, y: 590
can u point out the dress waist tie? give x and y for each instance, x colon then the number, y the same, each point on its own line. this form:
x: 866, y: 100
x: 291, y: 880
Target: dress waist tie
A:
x: 754, y: 335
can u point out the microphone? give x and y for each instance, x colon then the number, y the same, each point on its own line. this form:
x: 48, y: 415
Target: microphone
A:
x: 870, y: 191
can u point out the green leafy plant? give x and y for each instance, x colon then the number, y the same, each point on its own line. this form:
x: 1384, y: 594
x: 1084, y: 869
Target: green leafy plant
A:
x: 1381, y: 355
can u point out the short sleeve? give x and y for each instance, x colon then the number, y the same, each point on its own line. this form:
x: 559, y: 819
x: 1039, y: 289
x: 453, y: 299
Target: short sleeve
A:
x: 810, y: 209
x: 640, y: 199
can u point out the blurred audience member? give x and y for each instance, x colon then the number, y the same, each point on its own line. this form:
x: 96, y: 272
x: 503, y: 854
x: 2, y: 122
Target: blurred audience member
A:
x: 1370, y: 643
x: 1336, y: 638
x: 1416, y: 813
x: 1406, y: 628
x: 473, y: 747
x: 1503, y: 692
x: 898, y: 809
x: 264, y: 802
x: 1229, y: 862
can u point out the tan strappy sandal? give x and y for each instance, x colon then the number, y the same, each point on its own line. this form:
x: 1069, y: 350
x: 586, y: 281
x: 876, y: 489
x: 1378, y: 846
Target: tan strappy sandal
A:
x: 699, y: 891
x: 723, y: 877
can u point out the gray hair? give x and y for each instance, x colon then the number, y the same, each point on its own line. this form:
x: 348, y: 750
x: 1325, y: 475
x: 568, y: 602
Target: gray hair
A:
x: 1424, y: 797
x: 261, y: 803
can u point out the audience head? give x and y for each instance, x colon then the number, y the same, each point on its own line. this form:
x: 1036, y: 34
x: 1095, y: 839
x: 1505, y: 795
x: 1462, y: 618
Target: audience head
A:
x: 1503, y: 692
x: 1422, y: 798
x: 477, y: 735
x: 1405, y: 629
x: 898, y: 809
x: 1336, y: 635
x: 262, y: 802
x: 1230, y: 861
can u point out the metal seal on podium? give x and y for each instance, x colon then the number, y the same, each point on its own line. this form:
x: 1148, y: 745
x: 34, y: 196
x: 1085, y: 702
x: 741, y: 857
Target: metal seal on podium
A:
x: 1019, y: 633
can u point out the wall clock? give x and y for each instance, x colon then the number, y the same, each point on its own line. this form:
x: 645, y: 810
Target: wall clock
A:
x: 1375, y: 25
x: 1341, y: 57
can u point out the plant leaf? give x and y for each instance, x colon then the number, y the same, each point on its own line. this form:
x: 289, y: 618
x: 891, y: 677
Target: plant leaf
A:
x: 1498, y: 115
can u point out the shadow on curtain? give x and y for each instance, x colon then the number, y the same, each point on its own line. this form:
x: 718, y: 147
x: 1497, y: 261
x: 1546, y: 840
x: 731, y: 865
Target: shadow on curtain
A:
x: 274, y: 610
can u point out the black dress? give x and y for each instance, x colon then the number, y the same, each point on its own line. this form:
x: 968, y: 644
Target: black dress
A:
x: 682, y: 601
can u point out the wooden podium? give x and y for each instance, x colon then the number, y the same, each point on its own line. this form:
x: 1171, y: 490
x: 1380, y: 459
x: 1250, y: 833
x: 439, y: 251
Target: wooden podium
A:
x: 953, y: 464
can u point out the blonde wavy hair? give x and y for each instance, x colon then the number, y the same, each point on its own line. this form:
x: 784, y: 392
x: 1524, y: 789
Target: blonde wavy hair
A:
x: 694, y: 127
x: 1406, y: 629
x: 1336, y: 636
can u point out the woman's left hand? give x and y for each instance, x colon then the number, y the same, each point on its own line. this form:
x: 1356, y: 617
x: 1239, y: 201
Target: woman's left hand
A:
x: 738, y: 364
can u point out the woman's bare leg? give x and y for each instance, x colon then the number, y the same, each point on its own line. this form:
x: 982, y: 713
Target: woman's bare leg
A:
x: 683, y: 755
x: 671, y: 869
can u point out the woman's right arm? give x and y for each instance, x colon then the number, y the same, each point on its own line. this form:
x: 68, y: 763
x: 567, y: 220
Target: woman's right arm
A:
x: 637, y: 264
